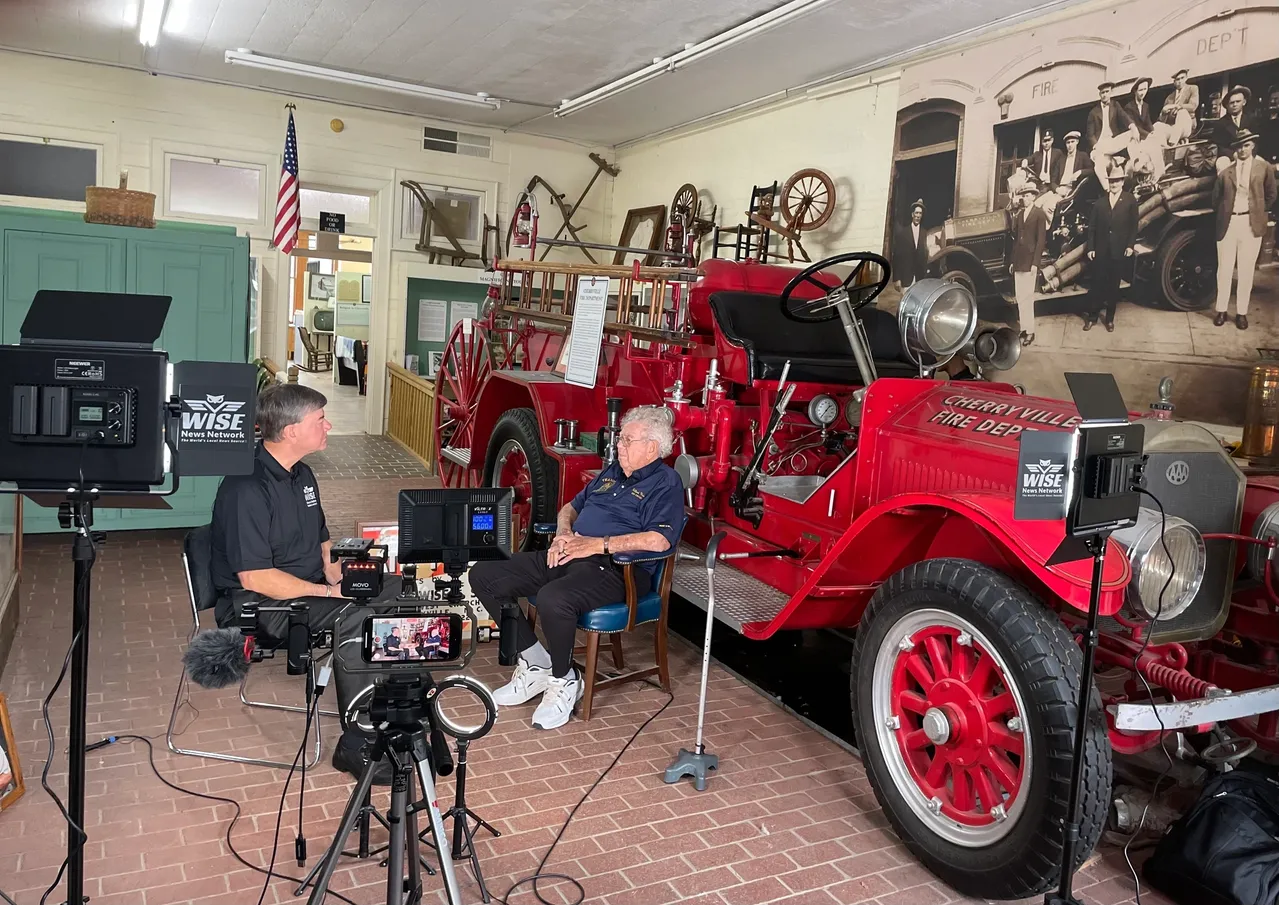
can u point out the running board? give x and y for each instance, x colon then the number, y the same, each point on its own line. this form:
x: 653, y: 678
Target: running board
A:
x: 457, y: 455
x: 739, y: 598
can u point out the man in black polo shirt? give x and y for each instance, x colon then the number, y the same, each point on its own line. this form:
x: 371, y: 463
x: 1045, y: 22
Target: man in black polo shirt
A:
x: 637, y: 503
x: 271, y: 543
x: 270, y: 539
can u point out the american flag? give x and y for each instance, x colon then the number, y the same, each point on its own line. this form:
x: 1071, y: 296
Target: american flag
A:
x: 287, y: 214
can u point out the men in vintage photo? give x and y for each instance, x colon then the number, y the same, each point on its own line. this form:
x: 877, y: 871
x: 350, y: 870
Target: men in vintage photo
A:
x: 1075, y: 163
x: 1180, y: 109
x: 1047, y: 163
x: 1238, y: 118
x: 1109, y: 129
x: 1112, y: 233
x: 1030, y: 235
x: 1242, y: 197
x: 910, y: 254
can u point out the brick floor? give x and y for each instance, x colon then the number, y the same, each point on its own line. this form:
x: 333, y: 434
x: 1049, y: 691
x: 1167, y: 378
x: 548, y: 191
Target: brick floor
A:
x: 790, y: 817
x: 364, y: 456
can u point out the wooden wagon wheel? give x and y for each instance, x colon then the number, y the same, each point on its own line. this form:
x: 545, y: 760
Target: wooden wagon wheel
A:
x: 463, y: 372
x: 686, y: 198
x: 808, y: 199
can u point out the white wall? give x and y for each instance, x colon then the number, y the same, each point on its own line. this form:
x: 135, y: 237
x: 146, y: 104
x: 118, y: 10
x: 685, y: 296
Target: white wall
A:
x: 846, y: 131
x: 136, y: 119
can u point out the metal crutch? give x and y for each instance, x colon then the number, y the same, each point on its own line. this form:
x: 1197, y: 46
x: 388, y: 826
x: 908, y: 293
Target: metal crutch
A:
x: 698, y: 762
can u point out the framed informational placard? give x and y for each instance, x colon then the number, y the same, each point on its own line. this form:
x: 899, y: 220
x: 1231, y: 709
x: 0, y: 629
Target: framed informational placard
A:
x: 11, y: 787
x: 587, y: 333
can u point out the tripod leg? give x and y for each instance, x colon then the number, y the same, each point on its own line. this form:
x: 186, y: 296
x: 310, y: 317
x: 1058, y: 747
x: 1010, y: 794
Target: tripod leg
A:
x: 481, y: 822
x: 396, y: 817
x: 354, y: 806
x: 437, y: 829
x: 413, y: 856
x: 475, y: 858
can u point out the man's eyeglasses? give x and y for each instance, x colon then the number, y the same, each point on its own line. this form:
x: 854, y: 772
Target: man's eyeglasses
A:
x: 627, y: 441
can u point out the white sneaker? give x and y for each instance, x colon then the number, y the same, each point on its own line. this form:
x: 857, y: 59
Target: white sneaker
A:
x: 559, y: 701
x: 527, y: 682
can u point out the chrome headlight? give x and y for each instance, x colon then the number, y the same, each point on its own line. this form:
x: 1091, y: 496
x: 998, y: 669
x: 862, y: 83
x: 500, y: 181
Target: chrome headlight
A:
x: 937, y: 318
x: 1151, y: 564
x: 1267, y: 525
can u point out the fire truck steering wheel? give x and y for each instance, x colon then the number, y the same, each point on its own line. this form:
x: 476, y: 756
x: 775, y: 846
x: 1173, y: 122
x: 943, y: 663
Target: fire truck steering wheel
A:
x: 857, y: 294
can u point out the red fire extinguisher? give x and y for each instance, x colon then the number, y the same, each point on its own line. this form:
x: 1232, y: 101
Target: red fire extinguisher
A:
x: 524, y: 234
x: 675, y: 235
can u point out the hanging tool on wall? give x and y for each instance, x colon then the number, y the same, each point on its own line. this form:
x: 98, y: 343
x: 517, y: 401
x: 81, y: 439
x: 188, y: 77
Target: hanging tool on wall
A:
x: 601, y: 166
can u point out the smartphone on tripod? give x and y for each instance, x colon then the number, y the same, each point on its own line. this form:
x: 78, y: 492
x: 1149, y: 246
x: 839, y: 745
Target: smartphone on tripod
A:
x: 412, y: 638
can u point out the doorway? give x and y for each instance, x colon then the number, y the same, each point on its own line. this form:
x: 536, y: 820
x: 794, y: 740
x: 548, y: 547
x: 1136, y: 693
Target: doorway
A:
x: 331, y: 288
x: 925, y: 163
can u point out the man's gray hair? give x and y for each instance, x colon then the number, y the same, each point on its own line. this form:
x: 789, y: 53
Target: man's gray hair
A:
x: 659, y: 424
x: 282, y: 404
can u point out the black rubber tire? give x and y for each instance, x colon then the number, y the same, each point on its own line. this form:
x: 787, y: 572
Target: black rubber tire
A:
x: 1169, y: 250
x: 1045, y: 662
x: 521, y: 425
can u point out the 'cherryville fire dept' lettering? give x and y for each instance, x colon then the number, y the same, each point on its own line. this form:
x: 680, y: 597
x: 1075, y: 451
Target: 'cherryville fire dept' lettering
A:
x: 1002, y: 419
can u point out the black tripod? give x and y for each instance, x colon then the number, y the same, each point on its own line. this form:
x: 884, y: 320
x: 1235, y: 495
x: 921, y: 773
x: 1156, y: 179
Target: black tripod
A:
x: 77, y: 512
x: 1096, y: 544
x: 462, y: 816
x: 399, y: 710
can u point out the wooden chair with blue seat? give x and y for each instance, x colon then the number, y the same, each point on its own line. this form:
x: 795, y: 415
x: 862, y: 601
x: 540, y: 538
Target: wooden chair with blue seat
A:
x: 615, y: 619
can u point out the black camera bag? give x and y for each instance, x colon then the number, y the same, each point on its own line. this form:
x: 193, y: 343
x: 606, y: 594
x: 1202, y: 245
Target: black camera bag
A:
x: 1225, y: 849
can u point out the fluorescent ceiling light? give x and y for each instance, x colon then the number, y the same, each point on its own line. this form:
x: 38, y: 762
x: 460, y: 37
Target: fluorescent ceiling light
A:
x: 271, y: 64
x: 691, y: 53
x: 151, y: 20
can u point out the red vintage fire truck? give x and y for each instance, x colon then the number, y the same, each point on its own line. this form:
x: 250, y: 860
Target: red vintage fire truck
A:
x: 822, y: 434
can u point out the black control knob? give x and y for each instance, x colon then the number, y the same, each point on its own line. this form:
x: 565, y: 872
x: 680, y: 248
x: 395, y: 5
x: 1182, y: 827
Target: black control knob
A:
x: 487, y: 538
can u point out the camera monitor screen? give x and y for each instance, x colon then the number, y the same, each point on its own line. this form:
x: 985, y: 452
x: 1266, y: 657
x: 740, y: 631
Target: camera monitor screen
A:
x: 455, y: 525
x: 412, y: 639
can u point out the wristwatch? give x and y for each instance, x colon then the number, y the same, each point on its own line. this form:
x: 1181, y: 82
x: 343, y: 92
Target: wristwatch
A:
x: 606, y: 546
x: 328, y: 590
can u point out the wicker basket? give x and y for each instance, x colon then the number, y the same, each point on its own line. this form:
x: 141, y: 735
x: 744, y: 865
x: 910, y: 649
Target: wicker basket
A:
x: 119, y: 207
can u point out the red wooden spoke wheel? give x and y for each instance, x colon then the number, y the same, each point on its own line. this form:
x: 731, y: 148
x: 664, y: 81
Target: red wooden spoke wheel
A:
x: 963, y: 694
x: 463, y: 372
x: 958, y: 729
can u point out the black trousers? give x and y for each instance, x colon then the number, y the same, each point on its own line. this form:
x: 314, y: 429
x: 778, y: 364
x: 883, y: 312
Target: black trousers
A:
x: 563, y: 594
x: 1103, y: 294
x: 323, y: 613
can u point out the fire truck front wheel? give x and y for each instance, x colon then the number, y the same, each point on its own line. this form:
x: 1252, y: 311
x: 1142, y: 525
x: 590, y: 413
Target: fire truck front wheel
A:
x: 516, y: 459
x: 964, y: 691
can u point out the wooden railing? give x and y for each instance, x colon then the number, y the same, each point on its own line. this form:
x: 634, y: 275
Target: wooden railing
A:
x: 411, y: 414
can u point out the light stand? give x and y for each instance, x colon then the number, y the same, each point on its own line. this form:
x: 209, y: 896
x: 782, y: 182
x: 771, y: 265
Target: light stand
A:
x: 77, y: 511
x: 1097, y: 547
x: 1086, y: 477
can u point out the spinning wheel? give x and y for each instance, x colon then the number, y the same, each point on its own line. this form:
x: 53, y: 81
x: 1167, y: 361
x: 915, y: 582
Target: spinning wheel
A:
x: 808, y: 200
x: 866, y: 281
x: 463, y: 372
x: 685, y: 202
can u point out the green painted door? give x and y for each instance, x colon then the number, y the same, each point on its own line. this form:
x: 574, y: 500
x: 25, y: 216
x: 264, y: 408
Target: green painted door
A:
x: 47, y: 260
x: 206, y: 322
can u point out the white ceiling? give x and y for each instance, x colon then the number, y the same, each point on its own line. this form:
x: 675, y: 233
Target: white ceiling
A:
x: 533, y: 52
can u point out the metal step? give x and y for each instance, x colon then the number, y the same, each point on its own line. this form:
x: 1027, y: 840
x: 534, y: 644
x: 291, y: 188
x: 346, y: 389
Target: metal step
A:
x: 739, y: 598
x: 459, y: 455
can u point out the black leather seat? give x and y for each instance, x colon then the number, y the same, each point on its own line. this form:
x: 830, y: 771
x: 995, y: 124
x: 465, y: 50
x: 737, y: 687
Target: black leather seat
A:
x: 817, y: 352
x: 198, y: 550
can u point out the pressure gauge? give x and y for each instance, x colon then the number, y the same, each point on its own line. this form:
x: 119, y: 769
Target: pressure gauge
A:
x: 823, y: 410
x: 853, y: 408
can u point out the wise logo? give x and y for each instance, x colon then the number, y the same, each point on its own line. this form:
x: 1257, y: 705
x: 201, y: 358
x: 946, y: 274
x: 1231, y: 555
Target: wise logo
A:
x: 212, y: 418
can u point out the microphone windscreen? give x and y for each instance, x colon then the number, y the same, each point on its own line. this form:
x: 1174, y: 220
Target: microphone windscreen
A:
x: 215, y: 658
